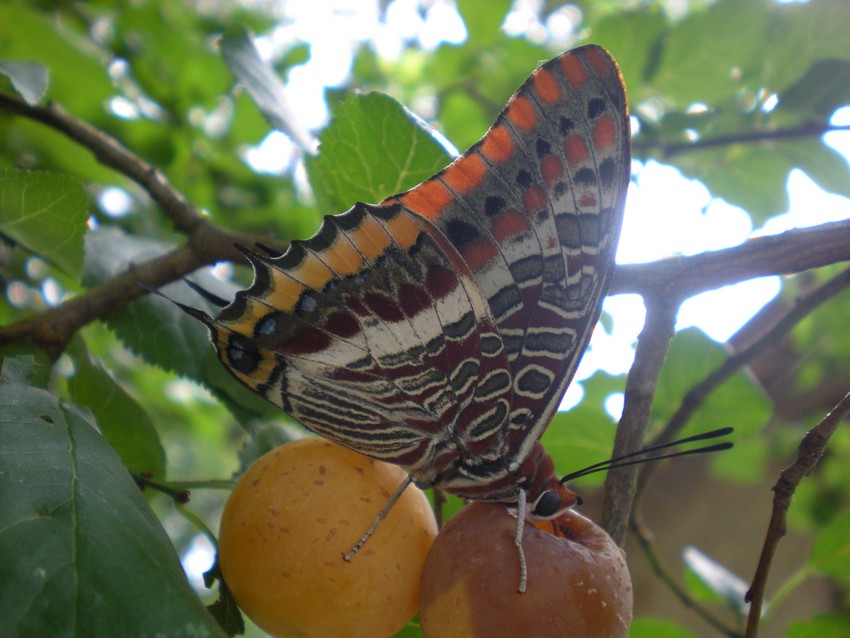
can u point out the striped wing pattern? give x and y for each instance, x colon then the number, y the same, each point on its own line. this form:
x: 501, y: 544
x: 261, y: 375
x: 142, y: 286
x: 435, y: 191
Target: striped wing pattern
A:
x: 439, y: 329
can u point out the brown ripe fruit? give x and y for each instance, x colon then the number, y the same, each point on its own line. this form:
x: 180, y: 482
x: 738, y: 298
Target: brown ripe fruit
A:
x: 288, y: 522
x: 578, y: 582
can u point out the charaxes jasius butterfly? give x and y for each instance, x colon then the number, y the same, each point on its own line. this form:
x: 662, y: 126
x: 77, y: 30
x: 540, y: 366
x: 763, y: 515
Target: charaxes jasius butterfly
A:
x: 439, y: 329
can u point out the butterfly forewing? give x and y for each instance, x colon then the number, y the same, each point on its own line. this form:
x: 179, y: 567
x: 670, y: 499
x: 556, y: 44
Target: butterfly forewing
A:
x: 535, y: 209
x: 439, y: 329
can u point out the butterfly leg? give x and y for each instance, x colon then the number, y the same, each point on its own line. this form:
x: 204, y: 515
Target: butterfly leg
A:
x: 520, y: 523
x: 381, y: 516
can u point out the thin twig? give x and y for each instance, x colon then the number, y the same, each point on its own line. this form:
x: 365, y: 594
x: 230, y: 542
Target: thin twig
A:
x: 666, y: 151
x: 810, y: 451
x: 654, y: 340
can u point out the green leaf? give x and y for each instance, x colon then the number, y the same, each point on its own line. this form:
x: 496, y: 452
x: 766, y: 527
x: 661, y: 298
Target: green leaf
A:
x: 123, y: 422
x: 824, y: 88
x: 410, y: 630
x: 831, y: 553
x: 646, y: 627
x: 802, y: 34
x: 826, y: 166
x: 737, y: 403
x: 483, y: 20
x: 718, y: 579
x: 46, y: 213
x: 263, y: 85
x: 24, y: 362
x: 86, y: 554
x: 373, y: 148
x: 28, y: 78
x: 632, y: 39
x: 745, y: 175
x: 713, y: 53
x: 825, y: 626
x: 76, y: 70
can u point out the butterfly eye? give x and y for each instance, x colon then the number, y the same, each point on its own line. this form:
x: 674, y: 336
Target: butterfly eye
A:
x: 548, y: 504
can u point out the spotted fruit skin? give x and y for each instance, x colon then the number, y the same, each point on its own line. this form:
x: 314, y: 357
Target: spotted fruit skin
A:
x: 289, y: 520
x: 578, y: 581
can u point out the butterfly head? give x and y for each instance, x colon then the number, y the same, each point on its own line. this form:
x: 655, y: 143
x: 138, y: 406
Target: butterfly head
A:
x: 547, y: 497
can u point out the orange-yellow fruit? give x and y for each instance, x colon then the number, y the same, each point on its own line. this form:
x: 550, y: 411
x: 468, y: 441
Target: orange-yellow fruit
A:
x: 287, y: 524
x: 578, y: 582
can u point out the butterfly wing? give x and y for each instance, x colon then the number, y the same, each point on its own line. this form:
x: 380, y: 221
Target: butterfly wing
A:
x: 535, y: 210
x: 443, y: 325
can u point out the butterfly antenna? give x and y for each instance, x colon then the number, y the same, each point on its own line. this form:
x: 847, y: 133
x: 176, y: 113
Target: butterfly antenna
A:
x: 641, y: 456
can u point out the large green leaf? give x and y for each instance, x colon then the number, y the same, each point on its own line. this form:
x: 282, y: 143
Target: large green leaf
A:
x: 46, y: 213
x: 737, y: 403
x: 373, y: 148
x: 123, y: 422
x: 86, y: 554
x: 715, y: 52
x: 827, y: 168
x: 802, y: 34
x: 824, y: 88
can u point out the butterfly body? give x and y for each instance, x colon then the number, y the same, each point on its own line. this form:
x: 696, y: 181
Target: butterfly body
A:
x: 439, y: 329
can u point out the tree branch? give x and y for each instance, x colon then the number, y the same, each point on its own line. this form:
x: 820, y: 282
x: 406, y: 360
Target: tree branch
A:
x: 791, y: 252
x: 654, y: 340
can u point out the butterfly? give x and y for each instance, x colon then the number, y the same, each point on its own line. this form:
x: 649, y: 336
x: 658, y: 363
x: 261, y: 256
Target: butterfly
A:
x: 439, y: 329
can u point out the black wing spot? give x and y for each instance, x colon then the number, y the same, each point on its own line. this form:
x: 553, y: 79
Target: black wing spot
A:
x: 523, y: 179
x: 585, y: 176
x: 493, y: 205
x: 595, y: 107
x: 607, y: 171
x: 460, y: 233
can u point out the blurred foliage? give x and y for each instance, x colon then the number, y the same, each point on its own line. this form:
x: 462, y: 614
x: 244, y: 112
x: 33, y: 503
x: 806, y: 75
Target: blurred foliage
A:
x: 149, y: 73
